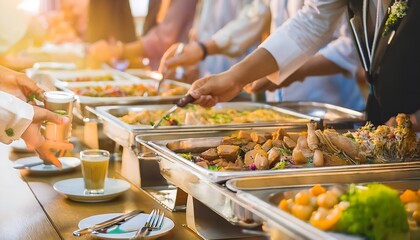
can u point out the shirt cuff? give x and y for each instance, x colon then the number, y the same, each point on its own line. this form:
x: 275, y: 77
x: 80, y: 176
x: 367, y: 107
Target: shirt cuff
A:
x: 288, y: 55
x: 16, y: 117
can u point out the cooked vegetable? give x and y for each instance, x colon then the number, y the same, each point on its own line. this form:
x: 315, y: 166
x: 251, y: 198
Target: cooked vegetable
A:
x: 375, y: 212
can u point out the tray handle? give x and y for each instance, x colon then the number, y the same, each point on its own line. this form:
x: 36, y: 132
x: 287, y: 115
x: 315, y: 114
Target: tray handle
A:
x: 150, y: 156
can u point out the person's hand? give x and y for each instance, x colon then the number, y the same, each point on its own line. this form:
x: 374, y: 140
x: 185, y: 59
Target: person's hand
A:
x: 260, y: 85
x: 103, y: 51
x: 190, y: 55
x: 215, y: 88
x: 34, y: 139
x: 19, y: 85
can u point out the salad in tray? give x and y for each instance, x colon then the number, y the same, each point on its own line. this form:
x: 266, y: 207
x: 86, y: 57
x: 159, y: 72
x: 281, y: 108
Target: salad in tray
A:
x: 374, y: 211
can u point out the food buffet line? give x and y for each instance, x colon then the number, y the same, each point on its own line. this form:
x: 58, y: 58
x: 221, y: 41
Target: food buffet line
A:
x: 253, y: 164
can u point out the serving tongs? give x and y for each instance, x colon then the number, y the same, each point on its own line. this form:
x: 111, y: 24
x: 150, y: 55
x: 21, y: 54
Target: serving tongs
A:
x: 184, y: 101
x: 106, y: 224
x: 178, y: 51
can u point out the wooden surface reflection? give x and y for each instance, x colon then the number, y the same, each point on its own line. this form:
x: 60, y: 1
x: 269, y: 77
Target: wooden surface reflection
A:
x: 31, y: 209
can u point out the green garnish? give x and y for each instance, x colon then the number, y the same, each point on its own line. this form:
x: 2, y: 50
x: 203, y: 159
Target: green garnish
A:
x: 31, y: 97
x: 187, y: 156
x: 285, y: 151
x: 222, y: 118
x: 61, y: 112
x: 214, y: 168
x: 375, y: 212
x: 280, y: 165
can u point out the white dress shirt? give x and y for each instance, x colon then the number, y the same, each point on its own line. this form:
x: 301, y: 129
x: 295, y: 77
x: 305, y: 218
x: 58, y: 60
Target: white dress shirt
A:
x: 15, y: 115
x: 334, y: 89
x: 302, y: 36
x: 213, y: 15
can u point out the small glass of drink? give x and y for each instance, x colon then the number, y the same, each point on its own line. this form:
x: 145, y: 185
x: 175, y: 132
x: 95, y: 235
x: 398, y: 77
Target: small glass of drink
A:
x: 94, y: 169
x: 61, y: 103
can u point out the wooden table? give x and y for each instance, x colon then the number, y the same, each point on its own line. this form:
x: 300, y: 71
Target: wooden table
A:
x: 31, y: 209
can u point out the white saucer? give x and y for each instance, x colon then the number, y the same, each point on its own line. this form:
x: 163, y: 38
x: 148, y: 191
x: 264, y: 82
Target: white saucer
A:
x: 68, y: 164
x: 131, y: 226
x: 19, y: 146
x: 74, y: 189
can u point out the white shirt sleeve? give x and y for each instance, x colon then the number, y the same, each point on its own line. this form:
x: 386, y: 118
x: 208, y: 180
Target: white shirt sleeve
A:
x: 238, y: 35
x: 15, y: 115
x: 341, y: 51
x: 302, y: 36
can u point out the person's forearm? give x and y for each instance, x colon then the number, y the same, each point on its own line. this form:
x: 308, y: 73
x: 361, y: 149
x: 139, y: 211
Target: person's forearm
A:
x: 317, y: 65
x: 212, y: 48
x: 132, y: 50
x: 258, y: 64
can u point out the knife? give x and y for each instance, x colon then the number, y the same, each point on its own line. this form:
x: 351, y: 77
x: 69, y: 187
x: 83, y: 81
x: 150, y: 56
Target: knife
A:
x: 106, y: 223
x: 181, y: 103
x: 28, y: 165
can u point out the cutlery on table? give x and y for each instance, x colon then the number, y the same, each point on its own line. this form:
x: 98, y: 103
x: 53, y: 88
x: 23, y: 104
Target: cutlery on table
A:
x: 181, y: 103
x: 153, y: 222
x: 28, y: 165
x: 106, y: 224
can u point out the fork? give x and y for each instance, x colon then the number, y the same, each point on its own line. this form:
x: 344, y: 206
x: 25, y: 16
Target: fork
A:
x: 154, y: 222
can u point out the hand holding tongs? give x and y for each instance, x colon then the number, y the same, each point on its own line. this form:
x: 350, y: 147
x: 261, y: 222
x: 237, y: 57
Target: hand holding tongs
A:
x: 181, y: 103
x: 178, y: 51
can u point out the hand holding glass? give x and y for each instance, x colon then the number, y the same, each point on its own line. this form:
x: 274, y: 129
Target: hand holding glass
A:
x: 60, y: 103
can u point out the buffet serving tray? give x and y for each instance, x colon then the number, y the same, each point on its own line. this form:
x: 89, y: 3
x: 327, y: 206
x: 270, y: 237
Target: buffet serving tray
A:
x: 84, y: 101
x: 158, y: 144
x: 208, y: 187
x: 68, y: 77
x: 263, y: 201
x: 123, y: 100
x: 331, y: 115
x: 124, y: 133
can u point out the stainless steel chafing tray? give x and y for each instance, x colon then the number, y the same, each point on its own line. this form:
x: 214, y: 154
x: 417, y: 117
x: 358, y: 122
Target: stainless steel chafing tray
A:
x: 201, y: 183
x: 263, y: 201
x: 83, y: 101
x: 158, y: 143
x: 331, y: 115
x: 124, y: 133
x: 69, y: 77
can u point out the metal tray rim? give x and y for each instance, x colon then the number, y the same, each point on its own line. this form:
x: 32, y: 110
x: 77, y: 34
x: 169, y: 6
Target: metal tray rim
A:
x: 104, y: 112
x: 215, y: 176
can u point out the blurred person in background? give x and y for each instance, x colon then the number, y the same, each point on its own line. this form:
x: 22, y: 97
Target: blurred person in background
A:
x: 212, y: 16
x: 327, y: 77
x: 388, y: 53
x: 110, y: 20
x: 66, y: 20
x: 19, y: 29
x: 37, y: 24
x: 168, y: 21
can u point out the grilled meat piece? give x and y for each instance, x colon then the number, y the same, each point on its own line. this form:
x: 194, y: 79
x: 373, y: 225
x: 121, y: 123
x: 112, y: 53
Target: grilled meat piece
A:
x: 210, y: 154
x: 228, y: 152
x: 234, y: 141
